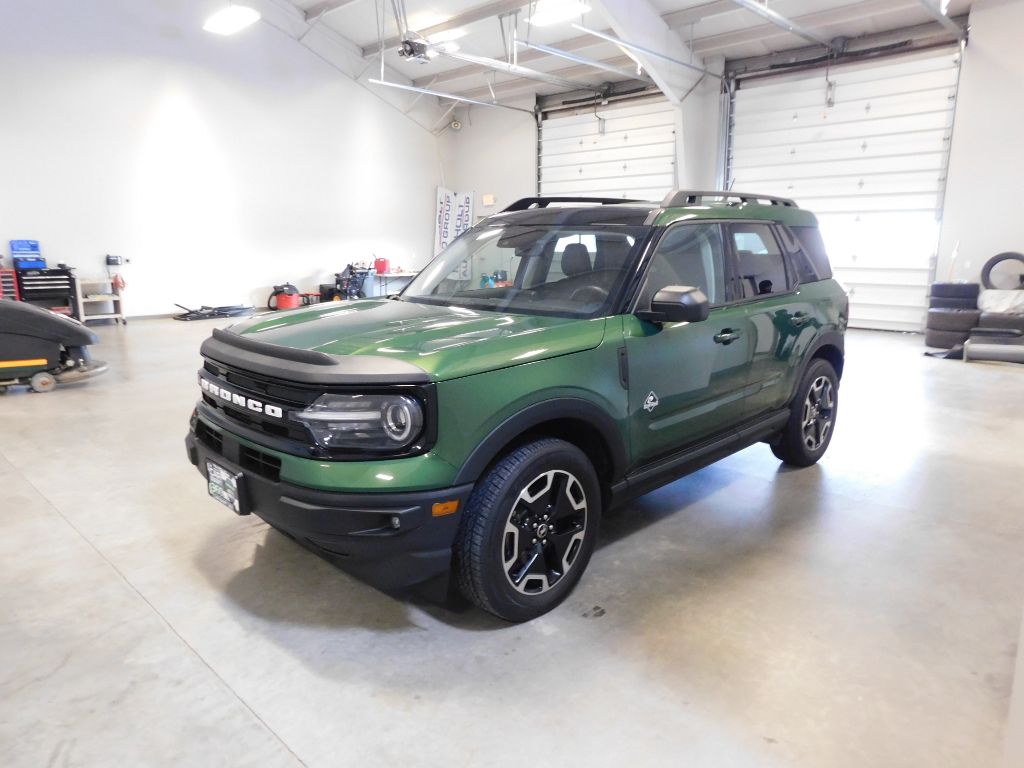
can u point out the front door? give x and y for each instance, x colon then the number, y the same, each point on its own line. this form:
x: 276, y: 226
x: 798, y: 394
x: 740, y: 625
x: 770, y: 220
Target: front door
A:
x: 686, y: 380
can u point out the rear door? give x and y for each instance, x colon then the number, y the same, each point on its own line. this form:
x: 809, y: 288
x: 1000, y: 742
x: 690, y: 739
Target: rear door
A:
x: 686, y: 380
x: 779, y: 321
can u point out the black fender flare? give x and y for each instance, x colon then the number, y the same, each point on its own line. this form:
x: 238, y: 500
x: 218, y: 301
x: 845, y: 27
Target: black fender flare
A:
x: 826, y: 339
x: 560, y: 408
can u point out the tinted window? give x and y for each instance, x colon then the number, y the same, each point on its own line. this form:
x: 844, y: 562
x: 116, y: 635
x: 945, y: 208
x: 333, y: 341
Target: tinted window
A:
x: 759, y: 262
x: 814, y: 248
x: 687, y: 254
x: 536, y: 270
x: 798, y: 259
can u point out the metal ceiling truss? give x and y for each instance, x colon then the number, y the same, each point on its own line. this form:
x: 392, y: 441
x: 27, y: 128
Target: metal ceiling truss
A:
x: 321, y: 9
x: 647, y: 51
x: 935, y: 9
x: 574, y: 57
x: 781, y: 21
x: 446, y: 96
x: 480, y: 13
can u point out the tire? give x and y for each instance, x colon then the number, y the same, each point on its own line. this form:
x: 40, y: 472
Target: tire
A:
x: 999, y: 258
x: 42, y: 382
x: 1001, y: 320
x: 812, y: 416
x: 944, y: 339
x: 956, y: 290
x: 509, y: 504
x: 961, y: 320
x: 940, y: 303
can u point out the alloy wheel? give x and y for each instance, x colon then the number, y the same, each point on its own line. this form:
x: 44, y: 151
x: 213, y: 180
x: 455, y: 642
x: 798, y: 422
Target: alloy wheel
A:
x: 819, y: 413
x: 544, y: 532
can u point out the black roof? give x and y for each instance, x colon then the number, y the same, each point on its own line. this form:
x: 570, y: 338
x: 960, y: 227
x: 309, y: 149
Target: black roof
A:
x: 629, y: 214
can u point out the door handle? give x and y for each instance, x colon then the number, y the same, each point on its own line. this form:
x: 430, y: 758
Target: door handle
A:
x: 726, y: 336
x: 800, y: 318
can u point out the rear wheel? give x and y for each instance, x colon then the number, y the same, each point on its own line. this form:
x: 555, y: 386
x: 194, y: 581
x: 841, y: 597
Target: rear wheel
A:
x: 528, y: 530
x: 812, y: 418
x: 42, y: 382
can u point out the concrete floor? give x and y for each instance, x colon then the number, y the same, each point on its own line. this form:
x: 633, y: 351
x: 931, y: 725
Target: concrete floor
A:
x: 864, y: 612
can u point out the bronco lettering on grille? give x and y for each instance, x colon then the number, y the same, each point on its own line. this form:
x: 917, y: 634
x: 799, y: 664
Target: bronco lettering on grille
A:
x: 241, y: 401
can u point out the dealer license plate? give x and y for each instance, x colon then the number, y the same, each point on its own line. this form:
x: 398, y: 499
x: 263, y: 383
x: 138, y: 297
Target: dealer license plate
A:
x: 225, y: 487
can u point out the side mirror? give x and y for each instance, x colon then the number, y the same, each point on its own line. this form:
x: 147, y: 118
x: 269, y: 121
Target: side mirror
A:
x: 677, y: 304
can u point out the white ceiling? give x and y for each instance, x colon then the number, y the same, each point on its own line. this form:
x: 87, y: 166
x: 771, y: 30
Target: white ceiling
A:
x: 711, y: 27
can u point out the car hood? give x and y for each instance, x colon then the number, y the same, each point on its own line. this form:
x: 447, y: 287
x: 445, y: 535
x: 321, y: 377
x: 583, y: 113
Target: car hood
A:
x: 444, y: 342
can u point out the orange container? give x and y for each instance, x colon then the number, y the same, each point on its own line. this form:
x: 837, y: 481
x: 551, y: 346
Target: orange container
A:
x: 289, y: 300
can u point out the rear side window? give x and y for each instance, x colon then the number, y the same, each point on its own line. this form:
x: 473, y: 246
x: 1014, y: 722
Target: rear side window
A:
x: 759, y: 262
x: 813, y: 248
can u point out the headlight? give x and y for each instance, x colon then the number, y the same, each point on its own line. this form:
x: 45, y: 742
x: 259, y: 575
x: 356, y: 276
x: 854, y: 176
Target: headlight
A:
x: 377, y: 422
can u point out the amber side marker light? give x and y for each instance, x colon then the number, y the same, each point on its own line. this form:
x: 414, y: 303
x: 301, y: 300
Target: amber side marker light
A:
x: 443, y: 508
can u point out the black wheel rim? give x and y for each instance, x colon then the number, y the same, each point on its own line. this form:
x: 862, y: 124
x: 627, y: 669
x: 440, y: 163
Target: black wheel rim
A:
x: 544, y: 532
x: 819, y: 413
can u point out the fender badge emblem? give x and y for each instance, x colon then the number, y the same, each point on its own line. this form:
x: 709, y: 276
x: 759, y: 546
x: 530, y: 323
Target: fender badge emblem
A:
x: 651, y: 402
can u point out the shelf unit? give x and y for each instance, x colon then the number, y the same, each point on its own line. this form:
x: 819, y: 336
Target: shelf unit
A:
x: 98, y: 299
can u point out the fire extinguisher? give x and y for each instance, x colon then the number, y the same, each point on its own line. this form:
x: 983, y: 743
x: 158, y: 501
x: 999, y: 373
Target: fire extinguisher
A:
x: 285, y: 296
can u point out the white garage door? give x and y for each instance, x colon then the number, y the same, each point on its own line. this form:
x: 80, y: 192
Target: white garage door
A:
x: 867, y: 152
x: 625, y: 150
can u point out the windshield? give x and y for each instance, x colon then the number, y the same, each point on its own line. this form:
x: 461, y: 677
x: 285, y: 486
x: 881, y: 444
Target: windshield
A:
x: 570, y: 271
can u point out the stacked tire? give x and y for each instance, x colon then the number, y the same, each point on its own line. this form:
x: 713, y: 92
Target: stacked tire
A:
x: 952, y: 313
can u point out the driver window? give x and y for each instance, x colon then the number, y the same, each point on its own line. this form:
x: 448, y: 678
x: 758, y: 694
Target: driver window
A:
x: 688, y: 254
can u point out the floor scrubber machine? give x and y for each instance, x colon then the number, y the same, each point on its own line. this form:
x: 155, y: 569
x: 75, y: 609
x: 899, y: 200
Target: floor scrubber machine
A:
x: 43, y: 349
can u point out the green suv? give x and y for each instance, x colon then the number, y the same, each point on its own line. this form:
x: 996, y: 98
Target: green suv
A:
x: 558, y: 359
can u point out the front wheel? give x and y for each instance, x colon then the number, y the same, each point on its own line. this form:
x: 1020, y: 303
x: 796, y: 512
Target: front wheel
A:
x: 812, y: 418
x: 528, y: 530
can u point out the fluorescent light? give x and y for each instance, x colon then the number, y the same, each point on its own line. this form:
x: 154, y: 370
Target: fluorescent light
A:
x: 232, y: 19
x: 556, y: 11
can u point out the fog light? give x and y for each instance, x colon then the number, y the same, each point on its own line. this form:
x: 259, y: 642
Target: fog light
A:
x: 396, y: 522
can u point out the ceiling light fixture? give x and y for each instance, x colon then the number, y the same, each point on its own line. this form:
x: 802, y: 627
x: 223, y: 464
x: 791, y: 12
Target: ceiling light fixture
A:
x: 234, y: 18
x: 556, y: 11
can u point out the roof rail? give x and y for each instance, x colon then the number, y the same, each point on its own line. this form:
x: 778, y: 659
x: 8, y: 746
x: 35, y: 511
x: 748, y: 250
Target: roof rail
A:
x: 543, y: 202
x: 682, y: 197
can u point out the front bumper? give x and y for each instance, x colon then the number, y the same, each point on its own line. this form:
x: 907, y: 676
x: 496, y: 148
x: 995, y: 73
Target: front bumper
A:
x: 353, y: 530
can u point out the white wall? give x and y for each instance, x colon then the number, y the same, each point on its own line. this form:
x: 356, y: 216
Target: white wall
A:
x: 982, y: 212
x: 219, y: 166
x: 495, y: 153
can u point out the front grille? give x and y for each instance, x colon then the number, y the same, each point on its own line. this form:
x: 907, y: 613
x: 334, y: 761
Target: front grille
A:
x: 268, y: 391
x: 209, y: 437
x: 262, y: 464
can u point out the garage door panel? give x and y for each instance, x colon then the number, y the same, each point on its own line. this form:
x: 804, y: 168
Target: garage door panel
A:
x: 872, y: 203
x: 626, y: 150
x: 908, y: 67
x: 861, y: 128
x: 872, y: 167
x: 585, y: 186
x: 862, y: 109
x: 594, y: 126
x: 653, y: 194
x: 617, y: 154
x: 643, y: 167
x: 878, y: 147
x: 932, y: 162
x: 656, y: 136
x: 814, y: 94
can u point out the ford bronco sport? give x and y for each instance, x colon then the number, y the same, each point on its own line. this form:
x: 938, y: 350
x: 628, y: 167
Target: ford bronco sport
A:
x: 556, y: 360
